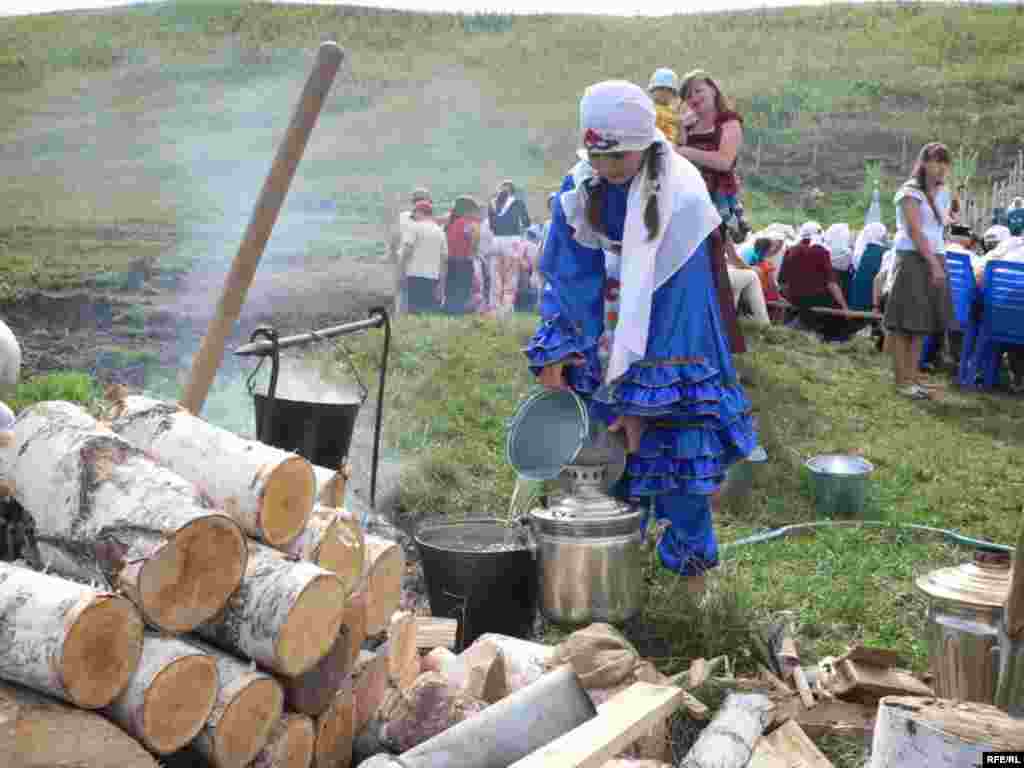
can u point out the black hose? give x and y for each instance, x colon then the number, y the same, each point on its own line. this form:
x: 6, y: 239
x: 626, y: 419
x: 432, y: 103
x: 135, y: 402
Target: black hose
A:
x: 798, y: 528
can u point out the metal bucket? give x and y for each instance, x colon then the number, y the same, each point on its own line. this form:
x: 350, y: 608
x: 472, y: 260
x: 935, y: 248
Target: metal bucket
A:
x: 546, y: 433
x: 839, y: 484
x: 482, y: 573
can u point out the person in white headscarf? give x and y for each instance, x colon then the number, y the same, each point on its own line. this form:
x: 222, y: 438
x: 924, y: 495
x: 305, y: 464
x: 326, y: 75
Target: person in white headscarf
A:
x: 874, y: 233
x: 631, y: 322
x: 837, y: 241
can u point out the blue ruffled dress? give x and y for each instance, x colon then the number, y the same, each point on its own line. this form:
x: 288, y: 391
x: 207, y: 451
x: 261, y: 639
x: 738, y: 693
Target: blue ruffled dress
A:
x: 699, y: 419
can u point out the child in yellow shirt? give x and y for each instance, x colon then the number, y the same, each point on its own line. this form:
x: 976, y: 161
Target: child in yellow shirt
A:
x: 664, y: 90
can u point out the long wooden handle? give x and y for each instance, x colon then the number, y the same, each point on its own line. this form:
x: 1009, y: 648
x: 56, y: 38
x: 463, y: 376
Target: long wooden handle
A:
x: 243, y: 268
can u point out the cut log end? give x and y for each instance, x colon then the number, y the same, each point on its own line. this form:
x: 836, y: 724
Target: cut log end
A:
x: 342, y: 550
x: 290, y: 745
x: 335, y: 732
x: 178, y: 703
x: 288, y: 497
x: 312, y: 625
x: 101, y: 650
x: 245, y: 726
x: 192, y: 576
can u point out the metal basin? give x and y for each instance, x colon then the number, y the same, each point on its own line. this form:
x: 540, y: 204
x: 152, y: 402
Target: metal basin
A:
x: 839, y: 484
x: 739, y: 480
x: 547, y: 432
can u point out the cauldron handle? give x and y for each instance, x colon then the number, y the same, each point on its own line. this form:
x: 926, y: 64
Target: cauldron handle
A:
x: 266, y: 425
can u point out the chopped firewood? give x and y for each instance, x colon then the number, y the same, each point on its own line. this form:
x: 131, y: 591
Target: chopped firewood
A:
x: 696, y: 708
x: 369, y: 684
x: 698, y: 673
x: 802, y: 687
x: 775, y: 682
x: 729, y: 740
x: 940, y: 732
x: 313, y: 691
x: 353, y: 619
x: 65, y: 639
x: 430, y: 707
x: 478, y: 672
x: 334, y: 731
x: 828, y: 718
x: 169, y: 697
x: 876, y: 657
x: 525, y: 661
x: 788, y: 747
x: 335, y: 543
x: 36, y: 730
x: 290, y: 744
x: 403, y: 656
x: 385, y: 565
x: 107, y: 513
x: 249, y: 703
x: 434, y: 632
x: 619, y: 722
x: 858, y: 679
x: 269, y: 492
x: 285, y: 615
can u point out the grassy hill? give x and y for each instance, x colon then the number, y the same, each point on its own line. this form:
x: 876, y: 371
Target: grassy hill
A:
x: 145, y: 133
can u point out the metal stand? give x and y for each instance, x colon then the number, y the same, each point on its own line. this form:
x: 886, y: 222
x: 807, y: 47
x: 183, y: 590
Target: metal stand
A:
x: 271, y: 345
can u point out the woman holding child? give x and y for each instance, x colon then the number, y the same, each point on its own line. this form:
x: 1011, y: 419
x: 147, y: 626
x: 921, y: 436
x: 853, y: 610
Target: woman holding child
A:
x: 631, y: 323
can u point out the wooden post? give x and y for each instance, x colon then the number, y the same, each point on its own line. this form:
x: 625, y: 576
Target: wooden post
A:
x: 903, y: 151
x: 243, y: 268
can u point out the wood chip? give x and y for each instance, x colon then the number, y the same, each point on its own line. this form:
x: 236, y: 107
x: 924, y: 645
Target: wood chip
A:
x: 774, y: 681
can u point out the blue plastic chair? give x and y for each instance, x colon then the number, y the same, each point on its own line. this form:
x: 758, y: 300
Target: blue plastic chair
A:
x: 964, y: 289
x: 1002, y: 316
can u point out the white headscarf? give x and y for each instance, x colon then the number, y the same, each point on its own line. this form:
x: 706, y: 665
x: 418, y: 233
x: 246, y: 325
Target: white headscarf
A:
x: 618, y: 116
x: 810, y: 230
x: 873, y: 234
x: 837, y: 240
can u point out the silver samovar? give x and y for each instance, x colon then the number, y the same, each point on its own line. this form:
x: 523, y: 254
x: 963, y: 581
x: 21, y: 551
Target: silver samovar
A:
x: 589, y: 545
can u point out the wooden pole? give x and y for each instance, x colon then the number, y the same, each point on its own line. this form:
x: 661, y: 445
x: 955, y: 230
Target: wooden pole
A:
x: 275, y: 188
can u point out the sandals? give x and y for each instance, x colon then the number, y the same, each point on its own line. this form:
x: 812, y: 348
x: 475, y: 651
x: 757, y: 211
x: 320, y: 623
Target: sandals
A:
x: 914, y: 392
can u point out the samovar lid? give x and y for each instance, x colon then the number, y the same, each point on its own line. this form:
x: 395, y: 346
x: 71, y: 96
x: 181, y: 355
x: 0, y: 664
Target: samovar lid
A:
x: 984, y: 583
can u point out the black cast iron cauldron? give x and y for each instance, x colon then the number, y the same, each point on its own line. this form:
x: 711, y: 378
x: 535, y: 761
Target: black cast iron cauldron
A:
x: 319, y: 432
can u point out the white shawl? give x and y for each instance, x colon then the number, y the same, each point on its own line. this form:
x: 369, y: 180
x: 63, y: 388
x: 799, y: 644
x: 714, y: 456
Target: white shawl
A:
x: 686, y: 215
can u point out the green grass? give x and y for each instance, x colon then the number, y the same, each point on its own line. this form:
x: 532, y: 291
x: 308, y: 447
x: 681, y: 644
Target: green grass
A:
x: 72, y: 386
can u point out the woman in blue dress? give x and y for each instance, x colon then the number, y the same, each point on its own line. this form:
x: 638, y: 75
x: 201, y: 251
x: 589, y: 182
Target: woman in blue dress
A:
x: 630, y: 319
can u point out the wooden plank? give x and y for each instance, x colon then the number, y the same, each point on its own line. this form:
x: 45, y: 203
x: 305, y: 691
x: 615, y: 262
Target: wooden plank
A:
x: 829, y: 718
x: 620, y: 721
x: 864, y: 678
x: 795, y: 749
x: 848, y: 313
x: 433, y: 632
x: 878, y: 657
x: 765, y: 756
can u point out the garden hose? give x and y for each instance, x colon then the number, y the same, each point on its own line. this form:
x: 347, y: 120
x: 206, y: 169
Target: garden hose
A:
x: 800, y: 528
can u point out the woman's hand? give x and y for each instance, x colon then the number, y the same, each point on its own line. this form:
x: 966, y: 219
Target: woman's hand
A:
x: 634, y: 427
x: 938, y: 273
x: 552, y: 376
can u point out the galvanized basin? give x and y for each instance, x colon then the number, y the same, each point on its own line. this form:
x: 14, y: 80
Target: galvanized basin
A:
x: 840, y: 484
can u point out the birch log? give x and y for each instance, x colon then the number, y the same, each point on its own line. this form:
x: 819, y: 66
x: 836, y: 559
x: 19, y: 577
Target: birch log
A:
x: 269, y: 492
x: 940, y: 733
x: 66, y: 639
x: 335, y: 542
x: 104, y: 511
x: 728, y: 742
x: 331, y: 484
x: 335, y: 732
x: 249, y: 703
x: 39, y: 732
x: 311, y: 693
x: 385, y: 566
x: 290, y: 744
x: 285, y: 615
x: 170, y: 696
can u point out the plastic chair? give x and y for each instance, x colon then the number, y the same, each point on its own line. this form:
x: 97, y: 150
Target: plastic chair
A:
x: 964, y: 289
x: 1002, y: 316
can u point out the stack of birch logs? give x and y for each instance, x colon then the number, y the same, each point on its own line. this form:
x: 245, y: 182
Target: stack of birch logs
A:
x: 201, y: 591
